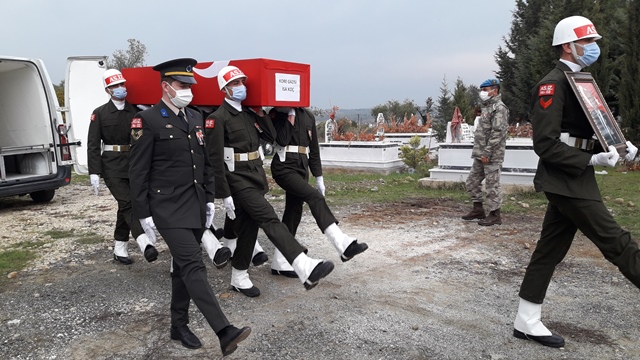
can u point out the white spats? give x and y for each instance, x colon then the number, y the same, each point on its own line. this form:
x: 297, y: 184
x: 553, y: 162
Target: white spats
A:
x: 279, y: 262
x: 120, y: 249
x: 528, y: 319
x: 230, y: 243
x: 304, y: 265
x: 339, y: 239
x: 210, y: 243
x: 240, y: 279
x: 143, y: 241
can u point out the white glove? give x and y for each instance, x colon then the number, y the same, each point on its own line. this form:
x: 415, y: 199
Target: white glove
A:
x: 149, y: 228
x: 605, y: 158
x: 211, y: 210
x: 231, y: 208
x: 632, y: 151
x: 320, y: 184
x: 95, y: 182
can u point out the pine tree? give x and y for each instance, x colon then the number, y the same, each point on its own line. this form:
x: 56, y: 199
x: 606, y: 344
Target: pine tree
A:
x: 444, y: 110
x: 462, y: 101
x: 629, y: 93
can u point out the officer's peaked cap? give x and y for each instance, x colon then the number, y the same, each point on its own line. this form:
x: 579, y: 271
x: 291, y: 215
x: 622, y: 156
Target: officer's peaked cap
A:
x: 490, y: 82
x: 178, y: 69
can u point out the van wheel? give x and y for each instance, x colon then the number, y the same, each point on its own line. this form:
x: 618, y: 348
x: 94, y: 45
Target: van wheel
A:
x: 42, y: 196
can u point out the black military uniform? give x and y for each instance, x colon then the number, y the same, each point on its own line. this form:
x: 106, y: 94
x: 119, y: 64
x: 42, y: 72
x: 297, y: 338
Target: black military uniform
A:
x: 570, y: 186
x: 112, y: 127
x: 292, y: 174
x: 172, y: 180
x: 247, y: 184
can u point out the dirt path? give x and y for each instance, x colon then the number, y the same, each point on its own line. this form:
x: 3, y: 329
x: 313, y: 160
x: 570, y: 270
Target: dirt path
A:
x: 430, y: 287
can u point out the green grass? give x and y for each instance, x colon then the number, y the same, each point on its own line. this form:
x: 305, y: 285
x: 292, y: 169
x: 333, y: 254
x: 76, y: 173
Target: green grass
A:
x: 59, y: 234
x: 14, y: 260
x: 29, y: 244
x: 90, y: 238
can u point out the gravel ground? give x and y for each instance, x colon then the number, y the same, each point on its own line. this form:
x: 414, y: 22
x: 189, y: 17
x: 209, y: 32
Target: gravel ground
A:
x: 429, y: 287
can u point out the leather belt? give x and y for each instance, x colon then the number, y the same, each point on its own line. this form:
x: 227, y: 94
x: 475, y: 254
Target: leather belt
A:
x: 116, y: 148
x: 246, y: 156
x: 296, y: 149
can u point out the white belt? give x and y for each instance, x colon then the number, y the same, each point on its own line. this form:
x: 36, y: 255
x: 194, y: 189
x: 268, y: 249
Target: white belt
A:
x: 580, y: 143
x: 116, y: 147
x: 296, y: 149
x: 246, y: 156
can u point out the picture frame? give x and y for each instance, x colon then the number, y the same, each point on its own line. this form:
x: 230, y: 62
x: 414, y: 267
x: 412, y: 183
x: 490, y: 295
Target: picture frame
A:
x: 597, y: 111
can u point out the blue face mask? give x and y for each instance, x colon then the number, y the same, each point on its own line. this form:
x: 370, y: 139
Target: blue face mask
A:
x: 119, y: 93
x: 239, y: 93
x: 590, y: 55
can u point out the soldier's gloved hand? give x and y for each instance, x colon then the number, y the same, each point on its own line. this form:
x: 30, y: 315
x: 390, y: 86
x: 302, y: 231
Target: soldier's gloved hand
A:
x: 320, y: 184
x: 95, y: 182
x: 230, y: 207
x: 210, y: 212
x: 149, y: 228
x: 609, y: 158
x: 632, y: 151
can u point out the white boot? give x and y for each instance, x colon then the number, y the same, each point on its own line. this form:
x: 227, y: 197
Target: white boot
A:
x: 210, y: 243
x: 304, y: 267
x: 120, y: 249
x: 280, y: 265
x: 528, y: 319
x: 143, y: 241
x: 147, y: 248
x: 257, y: 249
x: 240, y: 282
x: 258, y: 257
x: 230, y: 243
x: 339, y: 239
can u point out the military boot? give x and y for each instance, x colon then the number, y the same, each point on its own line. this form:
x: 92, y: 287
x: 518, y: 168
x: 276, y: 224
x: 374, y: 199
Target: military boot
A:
x: 492, y: 219
x: 476, y: 213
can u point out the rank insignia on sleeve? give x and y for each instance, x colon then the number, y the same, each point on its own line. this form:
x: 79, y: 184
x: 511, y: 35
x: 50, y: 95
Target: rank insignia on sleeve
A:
x: 93, y: 117
x: 258, y: 127
x: 136, y: 123
x: 546, y: 89
x: 546, y: 104
x: 209, y: 123
x: 136, y: 134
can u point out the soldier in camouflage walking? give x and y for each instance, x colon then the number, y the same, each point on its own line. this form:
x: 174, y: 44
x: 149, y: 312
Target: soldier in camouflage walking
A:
x: 490, y: 138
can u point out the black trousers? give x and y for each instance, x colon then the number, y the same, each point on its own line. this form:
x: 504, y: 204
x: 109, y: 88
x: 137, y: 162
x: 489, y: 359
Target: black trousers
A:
x: 189, y: 279
x: 253, y: 211
x: 125, y: 221
x: 298, y: 192
x: 563, y: 218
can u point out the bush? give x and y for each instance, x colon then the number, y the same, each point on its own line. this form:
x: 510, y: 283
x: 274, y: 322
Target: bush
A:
x: 412, y: 154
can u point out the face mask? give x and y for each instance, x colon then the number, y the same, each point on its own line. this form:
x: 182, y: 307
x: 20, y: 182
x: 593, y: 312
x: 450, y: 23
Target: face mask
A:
x: 591, y: 53
x: 183, y: 97
x: 239, y: 93
x: 119, y: 93
x: 484, y: 96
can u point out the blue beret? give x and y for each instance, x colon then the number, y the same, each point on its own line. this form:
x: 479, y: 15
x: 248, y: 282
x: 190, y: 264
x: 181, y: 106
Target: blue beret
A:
x: 490, y: 82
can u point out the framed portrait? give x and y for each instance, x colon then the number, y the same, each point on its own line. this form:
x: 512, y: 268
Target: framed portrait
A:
x: 602, y: 121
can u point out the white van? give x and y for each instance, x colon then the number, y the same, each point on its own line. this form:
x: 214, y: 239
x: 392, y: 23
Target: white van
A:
x: 35, y: 153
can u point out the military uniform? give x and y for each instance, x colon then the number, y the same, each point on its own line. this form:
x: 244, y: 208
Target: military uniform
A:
x: 292, y: 173
x: 489, y: 140
x: 247, y: 183
x: 570, y: 185
x: 111, y: 127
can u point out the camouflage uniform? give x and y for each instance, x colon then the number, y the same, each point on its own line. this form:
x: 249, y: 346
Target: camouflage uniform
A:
x: 490, y: 138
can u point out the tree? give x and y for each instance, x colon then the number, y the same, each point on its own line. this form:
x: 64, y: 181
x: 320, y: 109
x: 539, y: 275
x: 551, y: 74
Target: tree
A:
x: 60, y: 92
x: 134, y: 56
x: 444, y: 110
x: 629, y: 85
x: 462, y: 101
x: 393, y: 108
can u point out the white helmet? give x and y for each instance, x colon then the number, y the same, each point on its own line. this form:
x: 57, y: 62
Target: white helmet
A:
x: 112, y: 77
x: 574, y: 28
x: 227, y: 74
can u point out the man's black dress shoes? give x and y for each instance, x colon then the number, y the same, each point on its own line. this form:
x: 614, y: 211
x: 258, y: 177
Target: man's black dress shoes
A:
x: 553, y: 340
x: 230, y: 336
x: 186, y: 337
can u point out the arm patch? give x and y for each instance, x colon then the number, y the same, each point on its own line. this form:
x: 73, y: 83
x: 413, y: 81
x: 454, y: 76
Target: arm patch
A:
x: 136, y: 123
x: 546, y: 89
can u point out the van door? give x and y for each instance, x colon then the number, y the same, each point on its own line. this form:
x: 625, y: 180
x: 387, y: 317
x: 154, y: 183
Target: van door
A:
x: 83, y: 92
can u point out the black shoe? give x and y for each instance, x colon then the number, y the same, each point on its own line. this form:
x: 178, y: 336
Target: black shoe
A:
x: 321, y: 270
x: 250, y: 292
x: 221, y: 258
x: 259, y: 259
x: 554, y: 340
x: 150, y: 253
x: 230, y: 336
x: 186, y: 337
x: 288, y: 273
x: 122, y: 259
x: 352, y: 250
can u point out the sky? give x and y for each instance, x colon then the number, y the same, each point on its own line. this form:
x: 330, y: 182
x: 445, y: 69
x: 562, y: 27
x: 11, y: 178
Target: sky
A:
x: 362, y: 53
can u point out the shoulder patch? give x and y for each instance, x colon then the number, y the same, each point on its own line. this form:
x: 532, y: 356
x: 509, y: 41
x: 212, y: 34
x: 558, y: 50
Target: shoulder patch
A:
x: 546, y: 104
x: 136, y: 123
x: 93, y: 117
x: 209, y: 123
x: 546, y: 89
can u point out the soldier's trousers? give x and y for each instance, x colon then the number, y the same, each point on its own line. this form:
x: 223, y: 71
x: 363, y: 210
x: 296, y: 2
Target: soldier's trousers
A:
x: 490, y: 173
x: 298, y: 191
x: 563, y: 218
x: 125, y: 220
x: 189, y: 279
x: 253, y: 211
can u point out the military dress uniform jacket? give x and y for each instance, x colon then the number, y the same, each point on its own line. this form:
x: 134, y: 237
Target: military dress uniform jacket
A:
x: 242, y: 131
x: 171, y: 176
x: 111, y: 126
x: 490, y: 137
x: 302, y: 134
x: 562, y: 169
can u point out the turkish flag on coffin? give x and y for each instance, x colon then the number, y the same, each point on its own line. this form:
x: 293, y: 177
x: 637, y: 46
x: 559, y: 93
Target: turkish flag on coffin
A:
x: 269, y: 83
